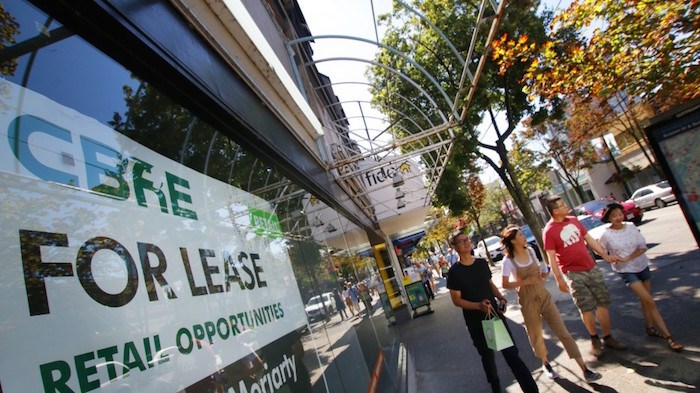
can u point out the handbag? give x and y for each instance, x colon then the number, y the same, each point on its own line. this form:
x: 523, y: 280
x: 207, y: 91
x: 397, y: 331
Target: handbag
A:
x: 495, y: 333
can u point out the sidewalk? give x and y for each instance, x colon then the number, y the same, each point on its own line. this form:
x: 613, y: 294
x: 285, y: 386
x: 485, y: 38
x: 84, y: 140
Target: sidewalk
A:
x: 441, y: 357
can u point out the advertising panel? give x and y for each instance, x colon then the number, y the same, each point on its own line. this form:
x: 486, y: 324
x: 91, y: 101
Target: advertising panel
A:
x: 123, y: 270
x: 675, y: 139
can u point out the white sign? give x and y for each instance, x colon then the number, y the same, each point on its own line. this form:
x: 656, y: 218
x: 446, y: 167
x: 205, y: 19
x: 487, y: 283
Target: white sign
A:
x: 122, y: 267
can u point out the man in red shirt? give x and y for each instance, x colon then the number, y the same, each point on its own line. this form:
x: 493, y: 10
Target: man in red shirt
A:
x: 563, y: 238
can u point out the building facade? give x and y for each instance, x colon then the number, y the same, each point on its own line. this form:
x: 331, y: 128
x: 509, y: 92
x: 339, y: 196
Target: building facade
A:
x: 159, y: 163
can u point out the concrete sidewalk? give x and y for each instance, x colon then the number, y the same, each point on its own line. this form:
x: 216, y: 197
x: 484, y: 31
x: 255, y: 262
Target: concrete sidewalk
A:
x: 441, y: 357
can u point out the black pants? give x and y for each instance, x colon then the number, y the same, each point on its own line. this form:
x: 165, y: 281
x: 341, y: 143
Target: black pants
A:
x: 511, y: 356
x: 428, y: 290
x: 341, y: 311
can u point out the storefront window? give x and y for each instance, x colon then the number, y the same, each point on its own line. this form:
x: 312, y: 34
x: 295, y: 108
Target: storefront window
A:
x: 145, y: 251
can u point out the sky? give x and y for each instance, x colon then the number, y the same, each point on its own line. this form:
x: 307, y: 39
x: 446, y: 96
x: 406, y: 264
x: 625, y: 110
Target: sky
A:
x: 356, y: 18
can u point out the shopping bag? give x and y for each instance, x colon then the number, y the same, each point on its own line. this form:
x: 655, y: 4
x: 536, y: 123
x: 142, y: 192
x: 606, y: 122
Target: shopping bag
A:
x: 497, y: 337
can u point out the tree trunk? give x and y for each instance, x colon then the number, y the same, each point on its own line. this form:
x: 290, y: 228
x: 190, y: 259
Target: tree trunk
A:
x: 507, y: 174
x: 632, y: 126
x: 574, y: 183
x: 617, y: 170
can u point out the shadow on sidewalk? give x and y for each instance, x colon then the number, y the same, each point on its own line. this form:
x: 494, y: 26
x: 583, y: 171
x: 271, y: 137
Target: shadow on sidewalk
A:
x: 444, y: 359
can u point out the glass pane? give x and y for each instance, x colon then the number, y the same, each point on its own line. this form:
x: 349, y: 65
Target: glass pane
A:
x: 144, y: 248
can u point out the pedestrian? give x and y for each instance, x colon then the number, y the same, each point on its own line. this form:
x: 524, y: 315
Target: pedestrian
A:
x: 472, y: 290
x: 348, y: 299
x: 339, y: 304
x: 624, y: 240
x: 435, y: 266
x: 565, y: 240
x: 425, y: 276
x: 365, y: 297
x: 522, y: 271
x: 444, y: 267
x: 373, y: 283
x: 452, y: 256
x: 355, y: 297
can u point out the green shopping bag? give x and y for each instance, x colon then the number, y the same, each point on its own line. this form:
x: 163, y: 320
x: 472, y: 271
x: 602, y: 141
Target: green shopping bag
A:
x: 497, y: 337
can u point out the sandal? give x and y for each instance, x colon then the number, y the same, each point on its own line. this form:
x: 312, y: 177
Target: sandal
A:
x: 652, y: 332
x: 675, y: 346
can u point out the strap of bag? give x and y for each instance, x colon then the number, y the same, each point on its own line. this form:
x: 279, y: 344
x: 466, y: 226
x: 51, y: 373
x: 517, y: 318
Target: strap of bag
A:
x: 492, y: 314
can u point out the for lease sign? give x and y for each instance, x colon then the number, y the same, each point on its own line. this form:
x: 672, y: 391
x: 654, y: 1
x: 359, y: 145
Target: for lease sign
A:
x: 123, y: 269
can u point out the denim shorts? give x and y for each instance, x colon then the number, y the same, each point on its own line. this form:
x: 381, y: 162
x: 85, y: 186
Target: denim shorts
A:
x: 631, y: 278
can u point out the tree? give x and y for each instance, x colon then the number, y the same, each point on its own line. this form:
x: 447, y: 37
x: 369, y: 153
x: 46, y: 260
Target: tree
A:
x: 437, y: 235
x: 477, y: 195
x: 154, y: 120
x: 530, y: 166
x: 352, y: 267
x: 621, y: 115
x: 9, y: 28
x: 572, y: 152
x: 642, y: 49
x: 497, y: 92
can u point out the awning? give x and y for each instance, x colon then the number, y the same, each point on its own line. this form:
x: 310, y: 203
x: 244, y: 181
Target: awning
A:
x: 408, y: 243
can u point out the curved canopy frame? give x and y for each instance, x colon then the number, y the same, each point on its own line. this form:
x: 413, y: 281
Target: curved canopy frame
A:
x: 429, y: 139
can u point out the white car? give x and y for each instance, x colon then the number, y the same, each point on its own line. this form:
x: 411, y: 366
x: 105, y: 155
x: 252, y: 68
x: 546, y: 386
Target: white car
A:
x: 595, y: 228
x: 494, y: 246
x: 320, y: 306
x: 659, y: 195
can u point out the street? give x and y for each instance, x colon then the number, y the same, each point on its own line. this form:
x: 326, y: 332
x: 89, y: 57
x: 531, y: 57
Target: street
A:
x: 667, y: 232
x: 444, y: 360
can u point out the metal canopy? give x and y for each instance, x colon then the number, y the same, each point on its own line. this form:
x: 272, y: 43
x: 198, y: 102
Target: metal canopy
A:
x: 363, y: 141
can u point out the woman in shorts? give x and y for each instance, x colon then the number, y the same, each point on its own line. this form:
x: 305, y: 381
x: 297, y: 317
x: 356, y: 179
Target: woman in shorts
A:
x: 624, y: 240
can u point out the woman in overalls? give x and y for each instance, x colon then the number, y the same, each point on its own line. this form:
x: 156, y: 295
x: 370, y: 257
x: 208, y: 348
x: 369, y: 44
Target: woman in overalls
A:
x: 522, y: 271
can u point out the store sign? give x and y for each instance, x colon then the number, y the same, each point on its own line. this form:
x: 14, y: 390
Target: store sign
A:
x: 374, y: 177
x: 265, y: 223
x: 125, y: 271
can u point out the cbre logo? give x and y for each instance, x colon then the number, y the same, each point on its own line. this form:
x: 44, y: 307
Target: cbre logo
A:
x: 57, y: 155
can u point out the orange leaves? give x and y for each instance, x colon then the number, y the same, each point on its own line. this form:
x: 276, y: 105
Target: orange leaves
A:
x: 641, y: 47
x: 507, y: 51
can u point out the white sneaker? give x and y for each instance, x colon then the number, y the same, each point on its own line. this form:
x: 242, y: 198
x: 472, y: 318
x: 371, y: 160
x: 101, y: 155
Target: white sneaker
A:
x: 549, y: 372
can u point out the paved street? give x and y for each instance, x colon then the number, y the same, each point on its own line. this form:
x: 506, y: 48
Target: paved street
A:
x: 442, y: 358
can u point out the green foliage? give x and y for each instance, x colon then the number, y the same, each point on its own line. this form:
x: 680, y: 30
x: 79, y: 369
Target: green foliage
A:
x: 9, y: 28
x: 498, y: 91
x: 156, y: 121
x: 641, y: 48
x: 530, y: 167
x: 571, y: 150
x: 492, y: 216
x: 437, y: 235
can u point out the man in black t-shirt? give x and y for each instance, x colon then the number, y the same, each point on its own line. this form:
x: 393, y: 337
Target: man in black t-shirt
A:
x: 472, y: 290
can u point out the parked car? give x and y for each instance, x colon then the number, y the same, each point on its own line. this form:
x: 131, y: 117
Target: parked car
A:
x: 593, y: 225
x: 494, y: 247
x: 595, y: 228
x: 530, y: 238
x: 659, y: 195
x: 632, y: 211
x: 320, y: 307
